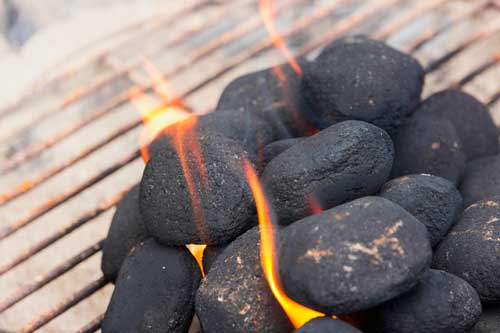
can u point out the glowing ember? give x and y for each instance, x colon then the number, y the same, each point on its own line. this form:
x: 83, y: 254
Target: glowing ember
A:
x: 297, y: 313
x: 315, y: 205
x: 197, y: 252
x: 267, y: 13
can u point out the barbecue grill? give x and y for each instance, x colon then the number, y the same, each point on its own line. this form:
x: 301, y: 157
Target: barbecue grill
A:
x: 69, y: 149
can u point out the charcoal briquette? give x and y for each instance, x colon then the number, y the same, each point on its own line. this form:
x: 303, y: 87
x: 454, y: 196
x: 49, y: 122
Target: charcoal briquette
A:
x: 214, y: 207
x: 428, y: 144
x: 481, y: 179
x: 345, y: 161
x: 126, y: 230
x: 326, y: 325
x: 273, y: 94
x: 210, y: 254
x: 471, y: 118
x: 234, y: 295
x: 359, y: 78
x: 354, y: 256
x: 154, y: 291
x: 471, y: 249
x: 277, y: 147
x: 434, y: 201
x: 440, y: 303
x: 489, y: 322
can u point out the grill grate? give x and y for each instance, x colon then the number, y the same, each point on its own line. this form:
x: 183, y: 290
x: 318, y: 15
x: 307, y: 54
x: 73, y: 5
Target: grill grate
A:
x: 69, y: 149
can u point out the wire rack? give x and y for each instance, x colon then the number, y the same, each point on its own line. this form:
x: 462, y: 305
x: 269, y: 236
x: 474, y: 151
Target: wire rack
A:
x: 69, y: 149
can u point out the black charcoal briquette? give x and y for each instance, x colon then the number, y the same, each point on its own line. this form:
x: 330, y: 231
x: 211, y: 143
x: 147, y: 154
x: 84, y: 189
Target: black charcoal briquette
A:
x: 481, y: 179
x: 126, y: 230
x: 234, y: 295
x: 326, y: 325
x: 345, y: 161
x: 440, y: 303
x: 273, y: 94
x: 210, y: 254
x: 434, y: 201
x: 359, y: 78
x: 154, y: 291
x: 472, y: 120
x: 471, y: 249
x: 489, y: 322
x: 428, y: 144
x: 214, y: 207
x: 354, y: 256
x: 277, y: 147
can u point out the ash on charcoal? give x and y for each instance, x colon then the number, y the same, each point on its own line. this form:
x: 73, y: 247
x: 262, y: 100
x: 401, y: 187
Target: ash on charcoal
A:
x: 210, y: 255
x: 471, y: 248
x: 327, y: 325
x: 472, y: 120
x: 428, y: 144
x: 346, y: 161
x: 235, y: 297
x: 154, y: 291
x: 489, y: 322
x: 277, y: 147
x: 273, y: 94
x: 126, y: 230
x: 481, y: 179
x: 353, y: 256
x: 434, y: 201
x: 440, y: 303
x: 359, y: 78
x: 222, y: 206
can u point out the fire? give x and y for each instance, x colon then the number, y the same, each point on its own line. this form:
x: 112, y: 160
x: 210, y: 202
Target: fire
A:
x: 314, y: 205
x: 267, y: 13
x: 297, y: 313
x: 156, y: 119
x: 197, y: 251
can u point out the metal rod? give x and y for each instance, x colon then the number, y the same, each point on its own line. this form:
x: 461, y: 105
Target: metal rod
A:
x: 61, y: 198
x: 28, y: 288
x: 92, y: 326
x: 67, y: 229
x: 202, y: 52
x: 480, y: 69
x: 64, y: 305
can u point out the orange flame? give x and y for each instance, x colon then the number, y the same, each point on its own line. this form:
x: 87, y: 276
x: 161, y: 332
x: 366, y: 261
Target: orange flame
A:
x: 197, y: 251
x: 267, y: 12
x: 297, y: 313
x: 314, y: 205
x: 156, y: 119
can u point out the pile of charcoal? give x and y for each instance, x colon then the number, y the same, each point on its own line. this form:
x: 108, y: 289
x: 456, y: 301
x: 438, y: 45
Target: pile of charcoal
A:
x: 386, y: 207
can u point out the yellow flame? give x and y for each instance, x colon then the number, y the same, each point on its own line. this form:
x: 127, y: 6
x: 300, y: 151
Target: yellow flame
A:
x: 297, y: 313
x: 197, y: 251
x: 267, y: 13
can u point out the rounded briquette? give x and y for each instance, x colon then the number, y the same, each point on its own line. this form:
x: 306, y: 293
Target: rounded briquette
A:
x: 213, y: 207
x: 471, y: 249
x: 489, y: 321
x: 126, y: 230
x: 234, y: 295
x: 428, y: 144
x: 210, y: 255
x: 440, y: 303
x: 343, y: 162
x: 434, y: 201
x: 354, y: 256
x: 154, y: 291
x: 277, y: 147
x: 273, y: 94
x: 359, y: 78
x: 471, y: 118
x: 326, y: 325
x: 481, y: 179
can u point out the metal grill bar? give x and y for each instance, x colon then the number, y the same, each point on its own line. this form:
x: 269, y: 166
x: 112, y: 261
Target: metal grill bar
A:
x: 92, y: 326
x: 40, y: 281
x: 482, y: 68
x: 64, y: 305
x: 202, y: 52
